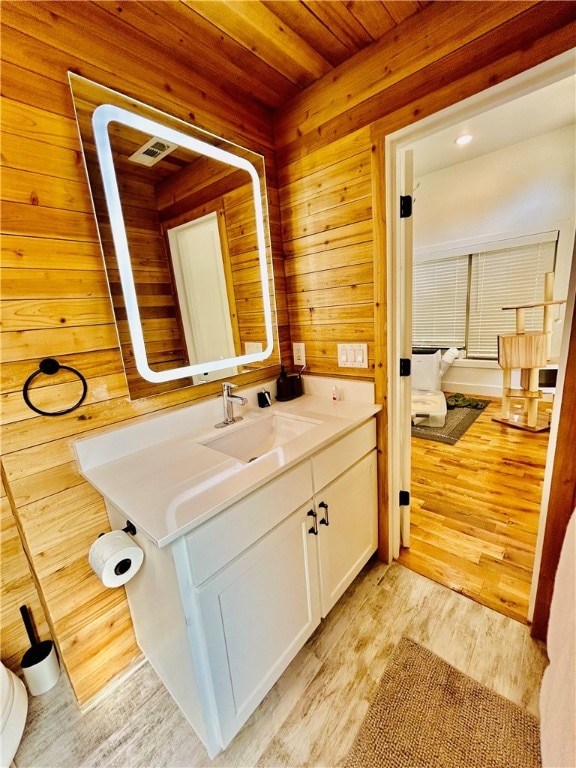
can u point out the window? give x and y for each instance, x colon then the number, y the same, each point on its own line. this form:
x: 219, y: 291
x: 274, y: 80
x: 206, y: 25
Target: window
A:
x: 440, y: 291
x: 458, y: 300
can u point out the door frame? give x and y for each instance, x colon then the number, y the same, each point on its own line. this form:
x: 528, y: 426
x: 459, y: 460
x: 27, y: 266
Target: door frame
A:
x: 395, y: 145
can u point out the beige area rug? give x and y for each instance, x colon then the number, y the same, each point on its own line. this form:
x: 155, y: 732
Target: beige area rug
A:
x: 426, y: 714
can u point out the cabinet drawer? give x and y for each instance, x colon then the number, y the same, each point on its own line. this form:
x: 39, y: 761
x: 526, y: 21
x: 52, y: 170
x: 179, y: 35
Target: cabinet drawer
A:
x: 222, y: 539
x: 333, y: 461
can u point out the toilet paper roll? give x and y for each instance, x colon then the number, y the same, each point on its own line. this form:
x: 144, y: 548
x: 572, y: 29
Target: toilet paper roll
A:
x: 115, y: 558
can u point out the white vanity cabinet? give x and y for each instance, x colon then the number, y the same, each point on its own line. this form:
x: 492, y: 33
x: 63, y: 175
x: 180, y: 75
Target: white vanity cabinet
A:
x: 282, y: 570
x: 222, y: 609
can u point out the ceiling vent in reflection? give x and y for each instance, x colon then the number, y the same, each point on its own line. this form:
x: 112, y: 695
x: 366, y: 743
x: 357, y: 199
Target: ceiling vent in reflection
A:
x: 153, y: 151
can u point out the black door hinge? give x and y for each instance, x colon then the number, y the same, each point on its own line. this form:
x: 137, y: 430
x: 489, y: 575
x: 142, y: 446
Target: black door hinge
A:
x: 405, y: 366
x: 405, y: 206
x: 404, y: 498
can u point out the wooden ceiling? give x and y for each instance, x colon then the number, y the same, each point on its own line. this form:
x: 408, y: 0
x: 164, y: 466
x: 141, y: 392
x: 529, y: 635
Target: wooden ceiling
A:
x: 264, y: 50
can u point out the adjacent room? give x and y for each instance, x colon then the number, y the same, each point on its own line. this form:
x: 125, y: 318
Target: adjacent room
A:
x: 513, y: 174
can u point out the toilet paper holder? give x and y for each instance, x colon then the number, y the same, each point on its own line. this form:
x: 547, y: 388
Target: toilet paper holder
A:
x: 129, y: 528
x: 115, y: 556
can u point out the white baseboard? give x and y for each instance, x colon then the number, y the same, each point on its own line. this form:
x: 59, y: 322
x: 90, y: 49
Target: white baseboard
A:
x: 487, y: 390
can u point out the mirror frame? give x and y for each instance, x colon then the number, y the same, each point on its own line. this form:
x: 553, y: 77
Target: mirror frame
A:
x: 102, y: 116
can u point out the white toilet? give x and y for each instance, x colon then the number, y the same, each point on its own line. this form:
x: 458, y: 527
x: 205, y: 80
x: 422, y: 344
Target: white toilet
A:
x: 14, y: 707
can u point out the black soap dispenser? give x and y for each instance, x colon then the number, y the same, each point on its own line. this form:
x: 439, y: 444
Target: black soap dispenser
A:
x: 283, y: 386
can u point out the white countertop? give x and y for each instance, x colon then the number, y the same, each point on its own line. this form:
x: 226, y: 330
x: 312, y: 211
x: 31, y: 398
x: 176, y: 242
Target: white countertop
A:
x: 175, y: 483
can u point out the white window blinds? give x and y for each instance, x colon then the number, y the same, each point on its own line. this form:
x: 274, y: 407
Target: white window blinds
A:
x: 440, y: 290
x: 458, y: 299
x: 500, y: 278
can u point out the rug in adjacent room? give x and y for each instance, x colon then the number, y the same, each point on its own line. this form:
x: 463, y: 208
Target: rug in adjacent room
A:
x: 458, y: 421
x: 427, y: 714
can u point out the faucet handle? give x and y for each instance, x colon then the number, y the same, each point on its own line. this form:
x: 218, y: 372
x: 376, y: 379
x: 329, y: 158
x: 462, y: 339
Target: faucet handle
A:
x: 227, y: 385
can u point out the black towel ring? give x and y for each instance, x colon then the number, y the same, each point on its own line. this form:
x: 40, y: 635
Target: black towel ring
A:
x: 49, y: 366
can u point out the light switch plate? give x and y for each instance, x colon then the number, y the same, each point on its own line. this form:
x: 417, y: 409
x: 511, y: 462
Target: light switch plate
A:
x: 250, y: 347
x: 299, y: 353
x: 353, y: 355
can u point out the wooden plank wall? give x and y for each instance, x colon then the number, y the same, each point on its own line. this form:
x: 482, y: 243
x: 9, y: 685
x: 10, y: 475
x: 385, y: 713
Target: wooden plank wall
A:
x: 243, y: 254
x: 18, y: 588
x: 330, y: 154
x: 154, y: 288
x: 326, y: 209
x: 55, y: 291
x: 56, y: 303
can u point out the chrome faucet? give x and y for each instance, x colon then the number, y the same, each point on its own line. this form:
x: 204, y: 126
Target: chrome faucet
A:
x: 228, y: 400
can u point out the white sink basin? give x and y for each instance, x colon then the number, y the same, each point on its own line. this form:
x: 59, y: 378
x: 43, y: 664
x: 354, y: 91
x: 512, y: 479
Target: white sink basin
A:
x: 253, y: 440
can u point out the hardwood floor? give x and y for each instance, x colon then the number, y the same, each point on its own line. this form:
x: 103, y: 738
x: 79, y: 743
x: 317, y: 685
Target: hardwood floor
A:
x: 475, y: 508
x: 311, y: 716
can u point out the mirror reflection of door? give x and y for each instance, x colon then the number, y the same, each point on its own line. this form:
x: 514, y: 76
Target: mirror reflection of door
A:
x: 201, y: 285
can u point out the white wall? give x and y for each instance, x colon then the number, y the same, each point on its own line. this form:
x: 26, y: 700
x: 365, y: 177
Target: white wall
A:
x: 526, y: 188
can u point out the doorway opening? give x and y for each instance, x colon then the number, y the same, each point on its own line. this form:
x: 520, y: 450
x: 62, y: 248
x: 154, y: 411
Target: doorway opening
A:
x: 475, y: 512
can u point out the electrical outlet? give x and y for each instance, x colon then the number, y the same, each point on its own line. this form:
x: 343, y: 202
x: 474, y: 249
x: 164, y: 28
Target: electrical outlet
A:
x: 251, y: 347
x: 299, y: 353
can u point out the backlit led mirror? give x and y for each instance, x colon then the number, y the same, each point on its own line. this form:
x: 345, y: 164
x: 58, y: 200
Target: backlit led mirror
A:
x: 182, y: 219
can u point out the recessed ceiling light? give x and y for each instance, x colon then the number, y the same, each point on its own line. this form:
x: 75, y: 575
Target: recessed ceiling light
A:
x: 466, y: 138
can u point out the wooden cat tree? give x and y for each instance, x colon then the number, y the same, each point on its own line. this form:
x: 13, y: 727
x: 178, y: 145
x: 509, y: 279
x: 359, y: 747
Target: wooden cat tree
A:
x: 528, y: 351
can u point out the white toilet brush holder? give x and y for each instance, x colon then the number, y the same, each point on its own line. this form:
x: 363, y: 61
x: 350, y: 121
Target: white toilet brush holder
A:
x: 40, y: 663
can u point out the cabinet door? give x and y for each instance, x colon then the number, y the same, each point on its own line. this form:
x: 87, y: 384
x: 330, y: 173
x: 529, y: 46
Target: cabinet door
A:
x: 258, y: 612
x: 350, y: 507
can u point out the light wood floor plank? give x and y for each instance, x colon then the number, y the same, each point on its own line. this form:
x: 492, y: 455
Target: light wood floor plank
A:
x: 311, y: 716
x: 475, y: 510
